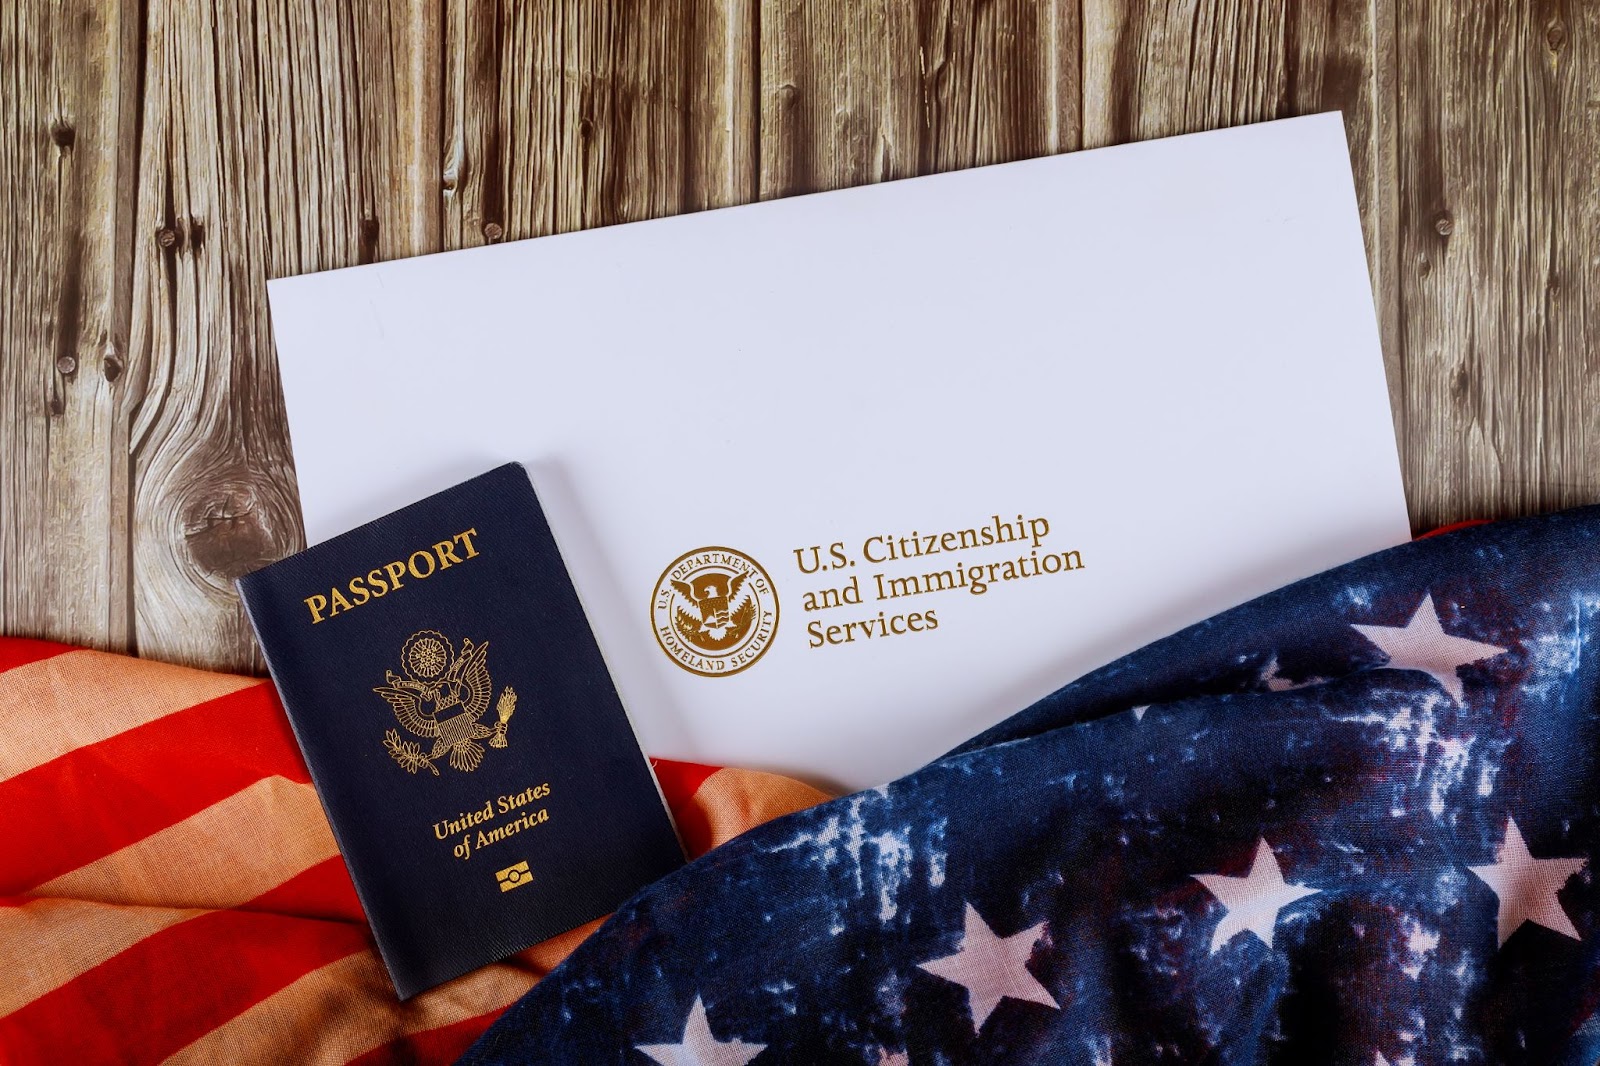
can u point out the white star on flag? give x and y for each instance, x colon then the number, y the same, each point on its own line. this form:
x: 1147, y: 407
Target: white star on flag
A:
x: 1422, y: 644
x: 699, y: 1048
x: 1527, y: 887
x: 1252, y: 901
x: 992, y: 968
x: 893, y: 1058
x: 1378, y: 1059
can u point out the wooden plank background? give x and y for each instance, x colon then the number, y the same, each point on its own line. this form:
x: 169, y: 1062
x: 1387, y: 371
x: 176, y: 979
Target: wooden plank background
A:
x: 160, y: 160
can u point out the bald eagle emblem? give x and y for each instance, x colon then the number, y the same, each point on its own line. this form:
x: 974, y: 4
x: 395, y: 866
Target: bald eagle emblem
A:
x: 442, y: 696
x: 714, y: 611
x: 718, y: 624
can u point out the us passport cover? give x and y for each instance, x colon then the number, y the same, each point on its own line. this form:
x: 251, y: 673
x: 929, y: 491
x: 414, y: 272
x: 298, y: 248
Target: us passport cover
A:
x: 479, y: 771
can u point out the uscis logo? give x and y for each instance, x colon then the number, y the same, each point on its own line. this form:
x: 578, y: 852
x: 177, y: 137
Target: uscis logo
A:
x: 714, y: 611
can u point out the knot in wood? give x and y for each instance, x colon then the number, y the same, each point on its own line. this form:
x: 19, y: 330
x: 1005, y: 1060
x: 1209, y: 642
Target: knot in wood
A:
x: 1555, y: 35
x: 226, y: 534
x: 62, y: 135
x: 1445, y: 224
x: 167, y: 237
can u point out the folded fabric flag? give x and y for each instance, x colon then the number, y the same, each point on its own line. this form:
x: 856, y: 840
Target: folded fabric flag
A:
x: 170, y: 890
x: 1353, y: 821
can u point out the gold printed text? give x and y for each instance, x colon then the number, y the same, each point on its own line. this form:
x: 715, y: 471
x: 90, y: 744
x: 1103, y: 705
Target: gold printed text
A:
x: 392, y: 576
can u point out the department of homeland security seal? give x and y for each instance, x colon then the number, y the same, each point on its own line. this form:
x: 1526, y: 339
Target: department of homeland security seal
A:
x: 714, y: 611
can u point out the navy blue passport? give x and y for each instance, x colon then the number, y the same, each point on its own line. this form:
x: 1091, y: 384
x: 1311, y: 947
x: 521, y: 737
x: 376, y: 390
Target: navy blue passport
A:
x: 477, y: 766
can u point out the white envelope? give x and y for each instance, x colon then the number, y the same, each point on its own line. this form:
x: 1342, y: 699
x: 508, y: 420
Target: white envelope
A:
x: 1166, y: 351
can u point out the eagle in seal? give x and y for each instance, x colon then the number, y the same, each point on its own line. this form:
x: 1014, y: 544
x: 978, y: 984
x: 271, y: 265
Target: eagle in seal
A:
x: 721, y: 624
x: 442, y: 695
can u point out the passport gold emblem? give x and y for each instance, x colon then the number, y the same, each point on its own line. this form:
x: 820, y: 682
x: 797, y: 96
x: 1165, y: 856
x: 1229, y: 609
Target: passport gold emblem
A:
x: 441, y: 697
x: 513, y: 876
x: 714, y: 611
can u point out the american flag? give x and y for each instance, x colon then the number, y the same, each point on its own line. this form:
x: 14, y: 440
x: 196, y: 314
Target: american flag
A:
x: 170, y: 890
x: 1351, y: 822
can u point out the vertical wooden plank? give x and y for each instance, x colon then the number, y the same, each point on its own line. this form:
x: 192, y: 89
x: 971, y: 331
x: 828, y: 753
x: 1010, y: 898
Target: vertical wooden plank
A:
x: 276, y: 138
x: 472, y: 207
x: 1381, y: 218
x: 66, y: 76
x: 831, y: 116
x: 1500, y: 238
x: 859, y: 92
x: 575, y: 114
x: 727, y: 99
x: 208, y: 505
x: 1569, y: 343
x: 395, y: 70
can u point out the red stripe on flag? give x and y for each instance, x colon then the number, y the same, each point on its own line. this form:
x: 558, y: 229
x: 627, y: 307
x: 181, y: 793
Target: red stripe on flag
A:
x: 1442, y: 530
x: 679, y: 783
x: 444, y: 1044
x: 323, y: 892
x: 20, y: 651
x: 103, y: 797
x: 174, y: 987
x: 680, y: 780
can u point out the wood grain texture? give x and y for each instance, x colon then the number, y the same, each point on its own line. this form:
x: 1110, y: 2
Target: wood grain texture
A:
x: 66, y: 94
x: 273, y: 138
x: 862, y: 92
x: 214, y: 489
x: 1499, y: 236
x: 158, y: 162
x: 569, y: 115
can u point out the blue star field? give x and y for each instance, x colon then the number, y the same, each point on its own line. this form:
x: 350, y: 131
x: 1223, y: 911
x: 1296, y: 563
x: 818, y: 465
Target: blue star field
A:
x: 1277, y: 734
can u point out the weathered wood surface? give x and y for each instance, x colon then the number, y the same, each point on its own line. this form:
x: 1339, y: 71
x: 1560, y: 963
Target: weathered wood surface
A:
x: 159, y: 162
